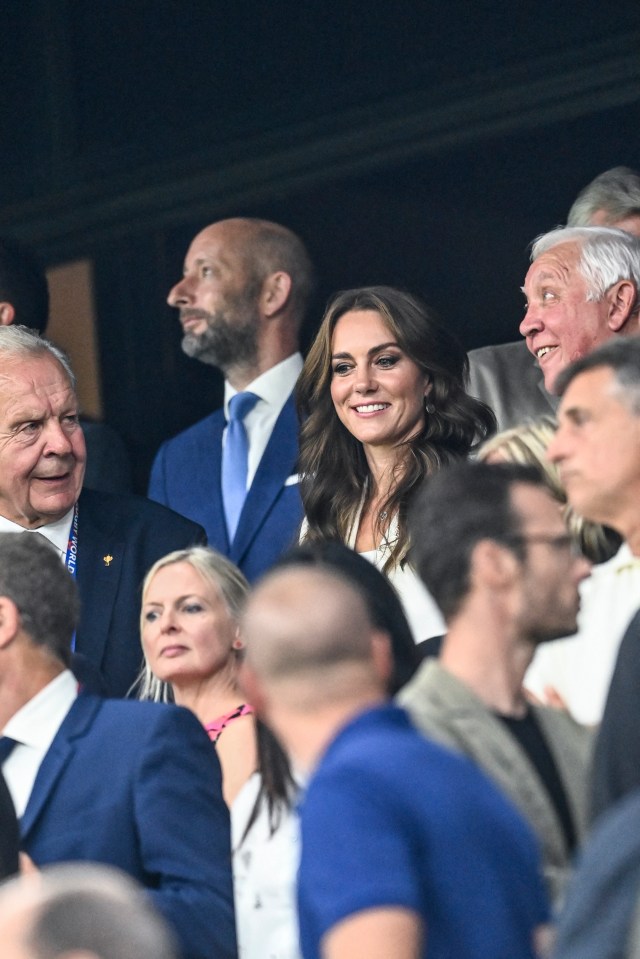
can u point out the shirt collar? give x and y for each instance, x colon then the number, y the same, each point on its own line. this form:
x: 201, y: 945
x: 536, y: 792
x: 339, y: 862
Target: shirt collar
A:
x: 271, y: 386
x: 57, y: 533
x: 33, y: 723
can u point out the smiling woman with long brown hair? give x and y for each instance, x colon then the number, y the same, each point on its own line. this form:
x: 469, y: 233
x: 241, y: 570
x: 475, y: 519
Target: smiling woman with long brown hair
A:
x: 383, y: 403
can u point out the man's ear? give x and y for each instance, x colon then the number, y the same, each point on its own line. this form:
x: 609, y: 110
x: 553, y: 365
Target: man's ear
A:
x: 275, y: 293
x: 493, y: 564
x: 7, y: 314
x: 10, y: 622
x: 622, y: 297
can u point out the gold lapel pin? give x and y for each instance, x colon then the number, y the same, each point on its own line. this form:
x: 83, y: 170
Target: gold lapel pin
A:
x: 107, y: 560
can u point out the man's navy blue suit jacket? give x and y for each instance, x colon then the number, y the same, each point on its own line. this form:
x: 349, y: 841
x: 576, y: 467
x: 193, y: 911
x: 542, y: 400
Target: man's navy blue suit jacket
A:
x: 186, y: 477
x: 119, y: 537
x: 138, y: 786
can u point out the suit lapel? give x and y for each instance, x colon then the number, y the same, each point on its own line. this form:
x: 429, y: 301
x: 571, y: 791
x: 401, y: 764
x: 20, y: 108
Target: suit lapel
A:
x: 278, y: 462
x: 504, y: 759
x: 75, y: 723
x: 570, y: 763
x: 100, y: 556
x: 206, y: 481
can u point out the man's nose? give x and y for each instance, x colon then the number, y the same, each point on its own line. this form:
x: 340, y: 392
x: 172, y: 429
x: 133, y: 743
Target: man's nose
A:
x: 582, y: 568
x: 554, y: 452
x: 180, y: 294
x: 531, y: 322
x: 57, y: 439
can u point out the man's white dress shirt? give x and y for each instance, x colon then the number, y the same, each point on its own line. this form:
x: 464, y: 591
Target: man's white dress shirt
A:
x: 274, y: 388
x: 34, y: 728
x: 57, y: 533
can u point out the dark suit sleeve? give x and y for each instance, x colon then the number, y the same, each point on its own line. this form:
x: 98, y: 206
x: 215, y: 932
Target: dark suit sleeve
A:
x: 616, y: 765
x: 184, y: 831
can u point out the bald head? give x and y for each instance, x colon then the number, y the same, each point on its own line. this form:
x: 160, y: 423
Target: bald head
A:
x: 80, y: 909
x: 301, y: 621
x: 266, y: 248
x: 242, y: 296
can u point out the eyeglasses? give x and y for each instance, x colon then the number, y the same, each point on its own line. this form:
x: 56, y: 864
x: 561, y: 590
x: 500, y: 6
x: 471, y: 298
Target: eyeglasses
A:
x: 561, y: 542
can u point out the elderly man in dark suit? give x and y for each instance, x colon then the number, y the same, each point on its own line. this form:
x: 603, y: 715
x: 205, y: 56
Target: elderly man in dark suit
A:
x: 132, y: 785
x: 107, y: 540
x: 242, y: 300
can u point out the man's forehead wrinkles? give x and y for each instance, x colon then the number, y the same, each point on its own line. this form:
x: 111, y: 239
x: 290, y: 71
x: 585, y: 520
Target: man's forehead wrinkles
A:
x: 217, y: 258
x: 549, y: 274
x: 552, y: 270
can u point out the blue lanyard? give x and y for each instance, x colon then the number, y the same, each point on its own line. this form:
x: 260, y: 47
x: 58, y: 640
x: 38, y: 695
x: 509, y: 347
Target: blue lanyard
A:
x: 71, y: 558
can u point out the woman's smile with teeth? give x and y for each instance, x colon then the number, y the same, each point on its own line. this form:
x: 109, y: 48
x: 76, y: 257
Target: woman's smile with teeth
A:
x: 371, y: 407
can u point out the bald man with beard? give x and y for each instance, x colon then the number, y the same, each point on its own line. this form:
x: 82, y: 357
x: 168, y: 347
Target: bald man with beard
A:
x: 241, y: 301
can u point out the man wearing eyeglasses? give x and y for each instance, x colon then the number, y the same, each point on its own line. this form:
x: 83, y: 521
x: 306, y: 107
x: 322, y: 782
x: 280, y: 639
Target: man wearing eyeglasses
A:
x: 491, y: 546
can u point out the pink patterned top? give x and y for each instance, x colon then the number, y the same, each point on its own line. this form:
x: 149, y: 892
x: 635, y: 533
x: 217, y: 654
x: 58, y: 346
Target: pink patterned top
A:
x: 215, y: 727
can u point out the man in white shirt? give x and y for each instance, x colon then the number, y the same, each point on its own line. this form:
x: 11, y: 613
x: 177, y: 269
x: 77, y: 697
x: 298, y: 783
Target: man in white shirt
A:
x: 242, y: 300
x: 106, y: 780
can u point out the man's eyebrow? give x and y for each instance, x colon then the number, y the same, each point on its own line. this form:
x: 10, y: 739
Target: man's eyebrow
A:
x: 547, y: 275
x: 573, y: 411
x: 25, y: 415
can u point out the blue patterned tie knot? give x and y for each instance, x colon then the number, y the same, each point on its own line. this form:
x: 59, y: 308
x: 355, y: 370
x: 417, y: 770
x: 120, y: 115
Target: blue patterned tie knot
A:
x: 235, y: 458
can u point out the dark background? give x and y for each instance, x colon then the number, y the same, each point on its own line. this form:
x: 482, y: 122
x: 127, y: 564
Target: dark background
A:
x: 418, y: 144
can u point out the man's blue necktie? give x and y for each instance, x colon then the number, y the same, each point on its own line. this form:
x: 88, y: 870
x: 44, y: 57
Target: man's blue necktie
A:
x: 6, y: 747
x: 234, y: 459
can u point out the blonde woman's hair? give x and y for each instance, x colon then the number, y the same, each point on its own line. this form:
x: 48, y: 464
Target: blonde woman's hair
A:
x: 527, y: 444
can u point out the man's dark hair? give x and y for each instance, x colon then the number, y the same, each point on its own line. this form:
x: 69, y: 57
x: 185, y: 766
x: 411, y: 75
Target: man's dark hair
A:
x: 33, y: 577
x: 456, y: 508
x: 23, y: 284
x: 622, y: 356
